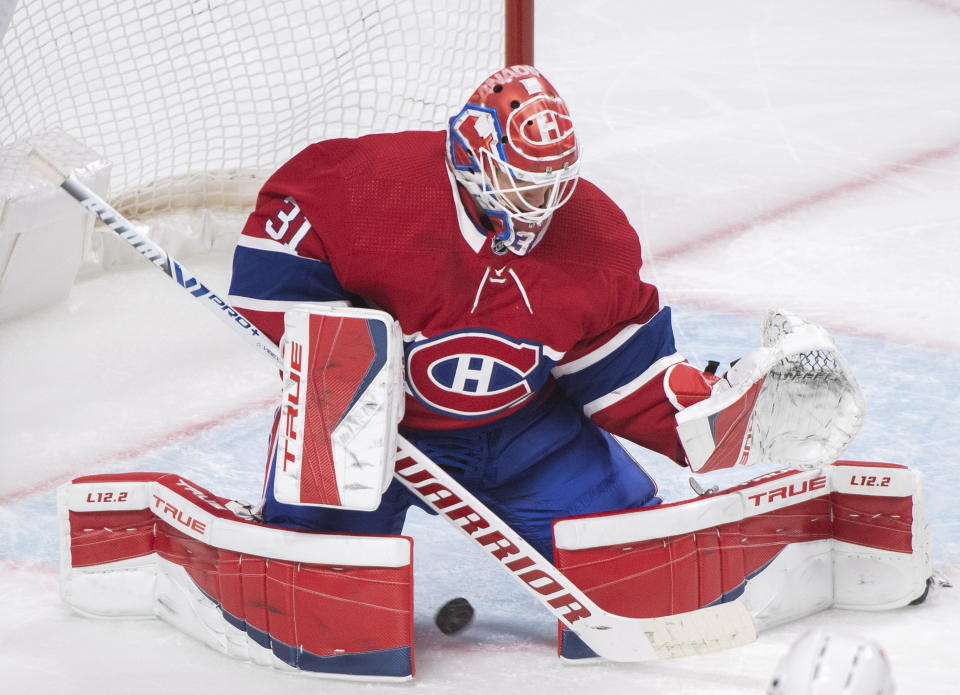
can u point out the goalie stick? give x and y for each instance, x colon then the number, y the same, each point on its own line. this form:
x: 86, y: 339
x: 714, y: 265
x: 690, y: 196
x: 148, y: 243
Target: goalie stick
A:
x: 613, y: 637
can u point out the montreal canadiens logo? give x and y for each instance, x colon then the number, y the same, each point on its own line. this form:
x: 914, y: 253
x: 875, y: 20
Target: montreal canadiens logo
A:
x: 474, y: 374
x: 541, y: 129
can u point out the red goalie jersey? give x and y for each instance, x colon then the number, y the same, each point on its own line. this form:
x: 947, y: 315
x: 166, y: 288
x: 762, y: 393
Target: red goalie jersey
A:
x: 380, y: 221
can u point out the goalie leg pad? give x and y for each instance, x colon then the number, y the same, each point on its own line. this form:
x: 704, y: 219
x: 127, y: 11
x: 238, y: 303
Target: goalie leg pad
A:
x: 155, y: 545
x: 788, y: 544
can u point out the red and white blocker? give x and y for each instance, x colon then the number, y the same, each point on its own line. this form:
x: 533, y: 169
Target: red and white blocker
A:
x: 787, y: 544
x: 155, y: 545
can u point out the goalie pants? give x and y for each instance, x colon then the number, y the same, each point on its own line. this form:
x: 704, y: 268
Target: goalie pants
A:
x: 545, y: 462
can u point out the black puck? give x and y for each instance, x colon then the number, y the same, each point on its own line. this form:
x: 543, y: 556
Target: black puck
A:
x: 454, y: 615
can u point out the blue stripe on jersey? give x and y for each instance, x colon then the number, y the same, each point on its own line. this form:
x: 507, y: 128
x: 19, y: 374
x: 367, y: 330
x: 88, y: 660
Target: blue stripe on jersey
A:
x: 653, y: 341
x: 277, y: 276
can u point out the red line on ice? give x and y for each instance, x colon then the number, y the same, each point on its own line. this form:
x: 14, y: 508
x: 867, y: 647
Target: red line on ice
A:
x: 17, y: 566
x: 110, y: 460
x: 826, y: 195
x: 941, y: 5
x: 833, y: 326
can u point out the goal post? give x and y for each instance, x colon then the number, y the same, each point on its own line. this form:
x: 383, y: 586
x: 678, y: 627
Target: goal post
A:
x: 518, y: 32
x: 194, y: 102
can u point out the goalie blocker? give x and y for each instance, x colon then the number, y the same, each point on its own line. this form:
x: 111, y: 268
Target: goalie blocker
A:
x: 142, y: 545
x: 342, y: 402
x: 787, y: 544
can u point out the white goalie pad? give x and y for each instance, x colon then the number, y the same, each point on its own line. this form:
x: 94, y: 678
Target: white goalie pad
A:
x: 154, y: 545
x: 342, y: 402
x: 788, y: 544
x: 792, y: 402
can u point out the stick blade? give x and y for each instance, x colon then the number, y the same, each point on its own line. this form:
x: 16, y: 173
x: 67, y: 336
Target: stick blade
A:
x: 704, y: 630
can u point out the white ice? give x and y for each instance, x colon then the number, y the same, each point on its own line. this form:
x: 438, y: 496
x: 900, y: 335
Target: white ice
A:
x: 770, y: 153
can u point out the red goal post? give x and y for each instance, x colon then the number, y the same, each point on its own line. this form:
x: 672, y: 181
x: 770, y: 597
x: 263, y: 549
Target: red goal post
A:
x: 194, y: 101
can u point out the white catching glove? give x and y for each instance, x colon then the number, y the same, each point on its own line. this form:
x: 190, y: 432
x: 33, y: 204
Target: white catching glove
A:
x: 792, y: 402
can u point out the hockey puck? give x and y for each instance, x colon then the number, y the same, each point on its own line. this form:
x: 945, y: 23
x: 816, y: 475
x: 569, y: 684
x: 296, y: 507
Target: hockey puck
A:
x: 454, y: 615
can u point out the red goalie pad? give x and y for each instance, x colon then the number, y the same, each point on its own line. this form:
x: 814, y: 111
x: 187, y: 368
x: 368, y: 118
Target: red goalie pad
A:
x: 787, y: 544
x: 155, y: 544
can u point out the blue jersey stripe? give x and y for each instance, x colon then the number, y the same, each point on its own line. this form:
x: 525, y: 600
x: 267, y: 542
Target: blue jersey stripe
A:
x: 283, y: 277
x: 653, y: 341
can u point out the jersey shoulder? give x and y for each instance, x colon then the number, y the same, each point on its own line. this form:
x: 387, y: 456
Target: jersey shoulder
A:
x: 349, y: 162
x: 370, y: 192
x: 591, y: 229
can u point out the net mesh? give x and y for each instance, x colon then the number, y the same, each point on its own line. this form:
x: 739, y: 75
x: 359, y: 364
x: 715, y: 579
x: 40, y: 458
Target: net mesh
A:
x: 195, y: 102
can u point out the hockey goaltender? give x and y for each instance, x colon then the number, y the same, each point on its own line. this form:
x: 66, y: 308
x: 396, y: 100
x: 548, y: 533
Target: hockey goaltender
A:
x: 468, y: 297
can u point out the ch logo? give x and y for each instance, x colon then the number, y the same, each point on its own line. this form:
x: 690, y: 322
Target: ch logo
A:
x: 472, y: 374
x: 541, y: 129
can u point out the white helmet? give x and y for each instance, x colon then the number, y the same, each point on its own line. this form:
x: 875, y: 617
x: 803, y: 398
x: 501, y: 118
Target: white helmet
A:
x: 830, y: 663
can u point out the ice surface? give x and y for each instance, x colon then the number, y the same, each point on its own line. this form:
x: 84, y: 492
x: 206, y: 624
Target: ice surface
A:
x: 771, y: 153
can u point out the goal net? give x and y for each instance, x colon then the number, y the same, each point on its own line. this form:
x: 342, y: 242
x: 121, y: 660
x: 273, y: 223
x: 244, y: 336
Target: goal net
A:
x: 194, y: 102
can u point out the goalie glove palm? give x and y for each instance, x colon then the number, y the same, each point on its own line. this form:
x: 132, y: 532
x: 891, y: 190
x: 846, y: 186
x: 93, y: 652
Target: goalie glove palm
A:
x: 792, y: 402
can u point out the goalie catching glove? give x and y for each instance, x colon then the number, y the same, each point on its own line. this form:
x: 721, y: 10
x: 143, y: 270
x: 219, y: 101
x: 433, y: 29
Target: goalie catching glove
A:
x: 792, y: 402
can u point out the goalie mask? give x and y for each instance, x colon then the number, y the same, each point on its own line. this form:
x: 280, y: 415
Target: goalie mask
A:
x: 514, y: 150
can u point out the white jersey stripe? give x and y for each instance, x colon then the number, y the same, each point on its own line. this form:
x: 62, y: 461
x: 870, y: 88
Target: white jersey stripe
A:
x: 274, y: 305
x: 260, y: 244
x: 263, y: 244
x: 619, y: 394
x: 470, y: 234
x: 601, y: 352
